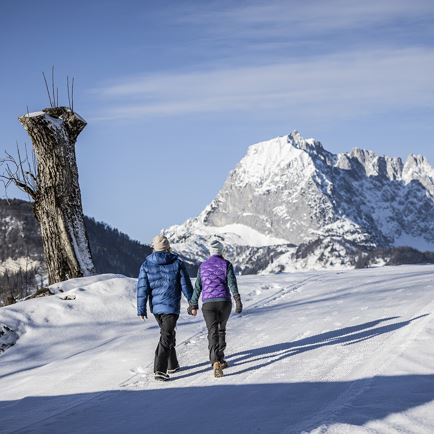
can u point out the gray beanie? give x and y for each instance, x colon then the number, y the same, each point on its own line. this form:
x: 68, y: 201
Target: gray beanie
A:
x: 160, y: 243
x: 216, y: 248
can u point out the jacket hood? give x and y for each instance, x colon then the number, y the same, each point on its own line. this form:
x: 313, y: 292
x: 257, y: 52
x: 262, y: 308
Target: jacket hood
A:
x: 162, y: 258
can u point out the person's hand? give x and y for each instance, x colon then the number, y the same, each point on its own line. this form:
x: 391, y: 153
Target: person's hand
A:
x: 192, y: 310
x: 142, y: 317
x: 238, y: 304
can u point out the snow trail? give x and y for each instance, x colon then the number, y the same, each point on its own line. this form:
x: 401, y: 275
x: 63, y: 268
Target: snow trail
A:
x: 312, y: 352
x: 201, y: 334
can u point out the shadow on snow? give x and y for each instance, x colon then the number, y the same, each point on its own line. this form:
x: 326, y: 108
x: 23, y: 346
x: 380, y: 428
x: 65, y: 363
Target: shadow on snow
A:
x: 264, y: 356
x: 261, y: 357
x: 266, y: 408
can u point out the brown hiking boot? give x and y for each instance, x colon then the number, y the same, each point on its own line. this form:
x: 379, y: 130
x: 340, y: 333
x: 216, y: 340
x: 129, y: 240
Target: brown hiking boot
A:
x: 218, y: 371
x: 224, y: 364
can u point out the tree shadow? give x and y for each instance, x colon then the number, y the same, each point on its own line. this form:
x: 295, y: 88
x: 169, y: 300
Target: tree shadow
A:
x: 244, y: 409
x: 345, y: 336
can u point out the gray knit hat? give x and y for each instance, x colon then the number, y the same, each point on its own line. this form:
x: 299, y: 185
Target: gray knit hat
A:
x: 161, y: 244
x: 215, y: 247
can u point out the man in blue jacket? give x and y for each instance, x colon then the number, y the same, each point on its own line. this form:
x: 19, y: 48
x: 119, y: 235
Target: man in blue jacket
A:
x: 162, y: 278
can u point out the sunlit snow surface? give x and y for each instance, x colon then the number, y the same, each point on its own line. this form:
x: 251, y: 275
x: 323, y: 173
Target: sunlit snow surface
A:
x: 339, y: 352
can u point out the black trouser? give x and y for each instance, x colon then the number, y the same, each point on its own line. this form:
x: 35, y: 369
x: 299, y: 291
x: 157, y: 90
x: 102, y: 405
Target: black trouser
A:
x: 216, y: 314
x: 165, y: 354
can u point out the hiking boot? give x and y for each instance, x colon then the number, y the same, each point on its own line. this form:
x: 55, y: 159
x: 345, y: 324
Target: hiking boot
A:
x: 172, y: 371
x: 161, y: 376
x: 224, y: 364
x: 218, y: 371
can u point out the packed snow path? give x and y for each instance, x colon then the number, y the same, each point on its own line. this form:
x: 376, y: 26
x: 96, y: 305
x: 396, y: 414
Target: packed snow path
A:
x: 317, y: 352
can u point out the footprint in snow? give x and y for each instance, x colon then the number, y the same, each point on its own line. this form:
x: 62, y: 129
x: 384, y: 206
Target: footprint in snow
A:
x: 138, y: 370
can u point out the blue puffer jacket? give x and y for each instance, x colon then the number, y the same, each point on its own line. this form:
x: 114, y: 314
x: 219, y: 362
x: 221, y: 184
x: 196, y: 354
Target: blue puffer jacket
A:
x: 162, y: 278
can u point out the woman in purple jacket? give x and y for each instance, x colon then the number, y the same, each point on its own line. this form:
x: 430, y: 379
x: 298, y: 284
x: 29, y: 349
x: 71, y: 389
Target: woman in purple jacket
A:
x: 216, y: 281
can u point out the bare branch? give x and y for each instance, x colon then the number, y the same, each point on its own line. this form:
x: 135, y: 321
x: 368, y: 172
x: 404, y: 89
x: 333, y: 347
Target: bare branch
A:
x: 67, y: 88
x: 53, y: 93
x: 13, y: 172
x: 52, y: 86
x: 31, y: 166
x: 72, y: 95
x: 48, y: 90
x: 21, y: 163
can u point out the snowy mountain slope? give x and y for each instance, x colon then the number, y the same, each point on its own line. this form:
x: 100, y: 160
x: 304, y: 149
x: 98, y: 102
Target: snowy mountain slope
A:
x: 329, y: 352
x: 290, y: 190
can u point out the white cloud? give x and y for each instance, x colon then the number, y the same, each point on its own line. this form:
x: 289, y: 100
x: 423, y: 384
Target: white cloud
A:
x: 301, y: 18
x: 337, y: 85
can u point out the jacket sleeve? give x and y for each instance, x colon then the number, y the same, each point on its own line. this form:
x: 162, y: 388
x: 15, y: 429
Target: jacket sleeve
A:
x: 186, y: 286
x: 232, y: 280
x: 197, y: 291
x: 143, y: 289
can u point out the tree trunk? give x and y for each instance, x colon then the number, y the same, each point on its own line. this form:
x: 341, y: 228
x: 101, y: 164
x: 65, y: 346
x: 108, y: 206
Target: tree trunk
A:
x: 57, y: 199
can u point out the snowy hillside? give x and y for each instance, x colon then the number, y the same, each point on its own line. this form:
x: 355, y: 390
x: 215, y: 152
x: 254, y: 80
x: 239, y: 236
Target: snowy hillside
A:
x: 290, y: 191
x: 22, y: 265
x: 321, y: 352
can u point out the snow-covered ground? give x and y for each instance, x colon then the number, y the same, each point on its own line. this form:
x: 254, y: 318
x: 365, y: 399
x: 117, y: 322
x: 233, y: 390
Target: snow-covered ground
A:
x: 324, y: 351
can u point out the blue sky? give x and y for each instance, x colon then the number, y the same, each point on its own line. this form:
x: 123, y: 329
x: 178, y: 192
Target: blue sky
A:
x: 175, y: 91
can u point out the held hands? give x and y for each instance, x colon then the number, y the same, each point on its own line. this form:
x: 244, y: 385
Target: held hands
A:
x: 192, y: 310
x: 238, y: 304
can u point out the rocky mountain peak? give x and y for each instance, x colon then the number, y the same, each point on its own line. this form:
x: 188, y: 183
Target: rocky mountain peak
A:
x: 290, y: 191
x: 309, y: 145
x: 417, y: 168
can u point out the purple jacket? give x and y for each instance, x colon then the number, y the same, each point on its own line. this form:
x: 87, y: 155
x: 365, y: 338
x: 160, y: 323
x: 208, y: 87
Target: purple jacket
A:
x: 213, y: 274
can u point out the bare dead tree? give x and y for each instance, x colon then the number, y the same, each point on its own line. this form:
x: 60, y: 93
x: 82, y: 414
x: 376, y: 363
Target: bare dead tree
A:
x: 57, y: 196
x: 49, y: 175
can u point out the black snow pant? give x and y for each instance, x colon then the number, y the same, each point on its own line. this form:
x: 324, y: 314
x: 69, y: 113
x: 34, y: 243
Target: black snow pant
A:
x: 216, y: 314
x: 165, y: 354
